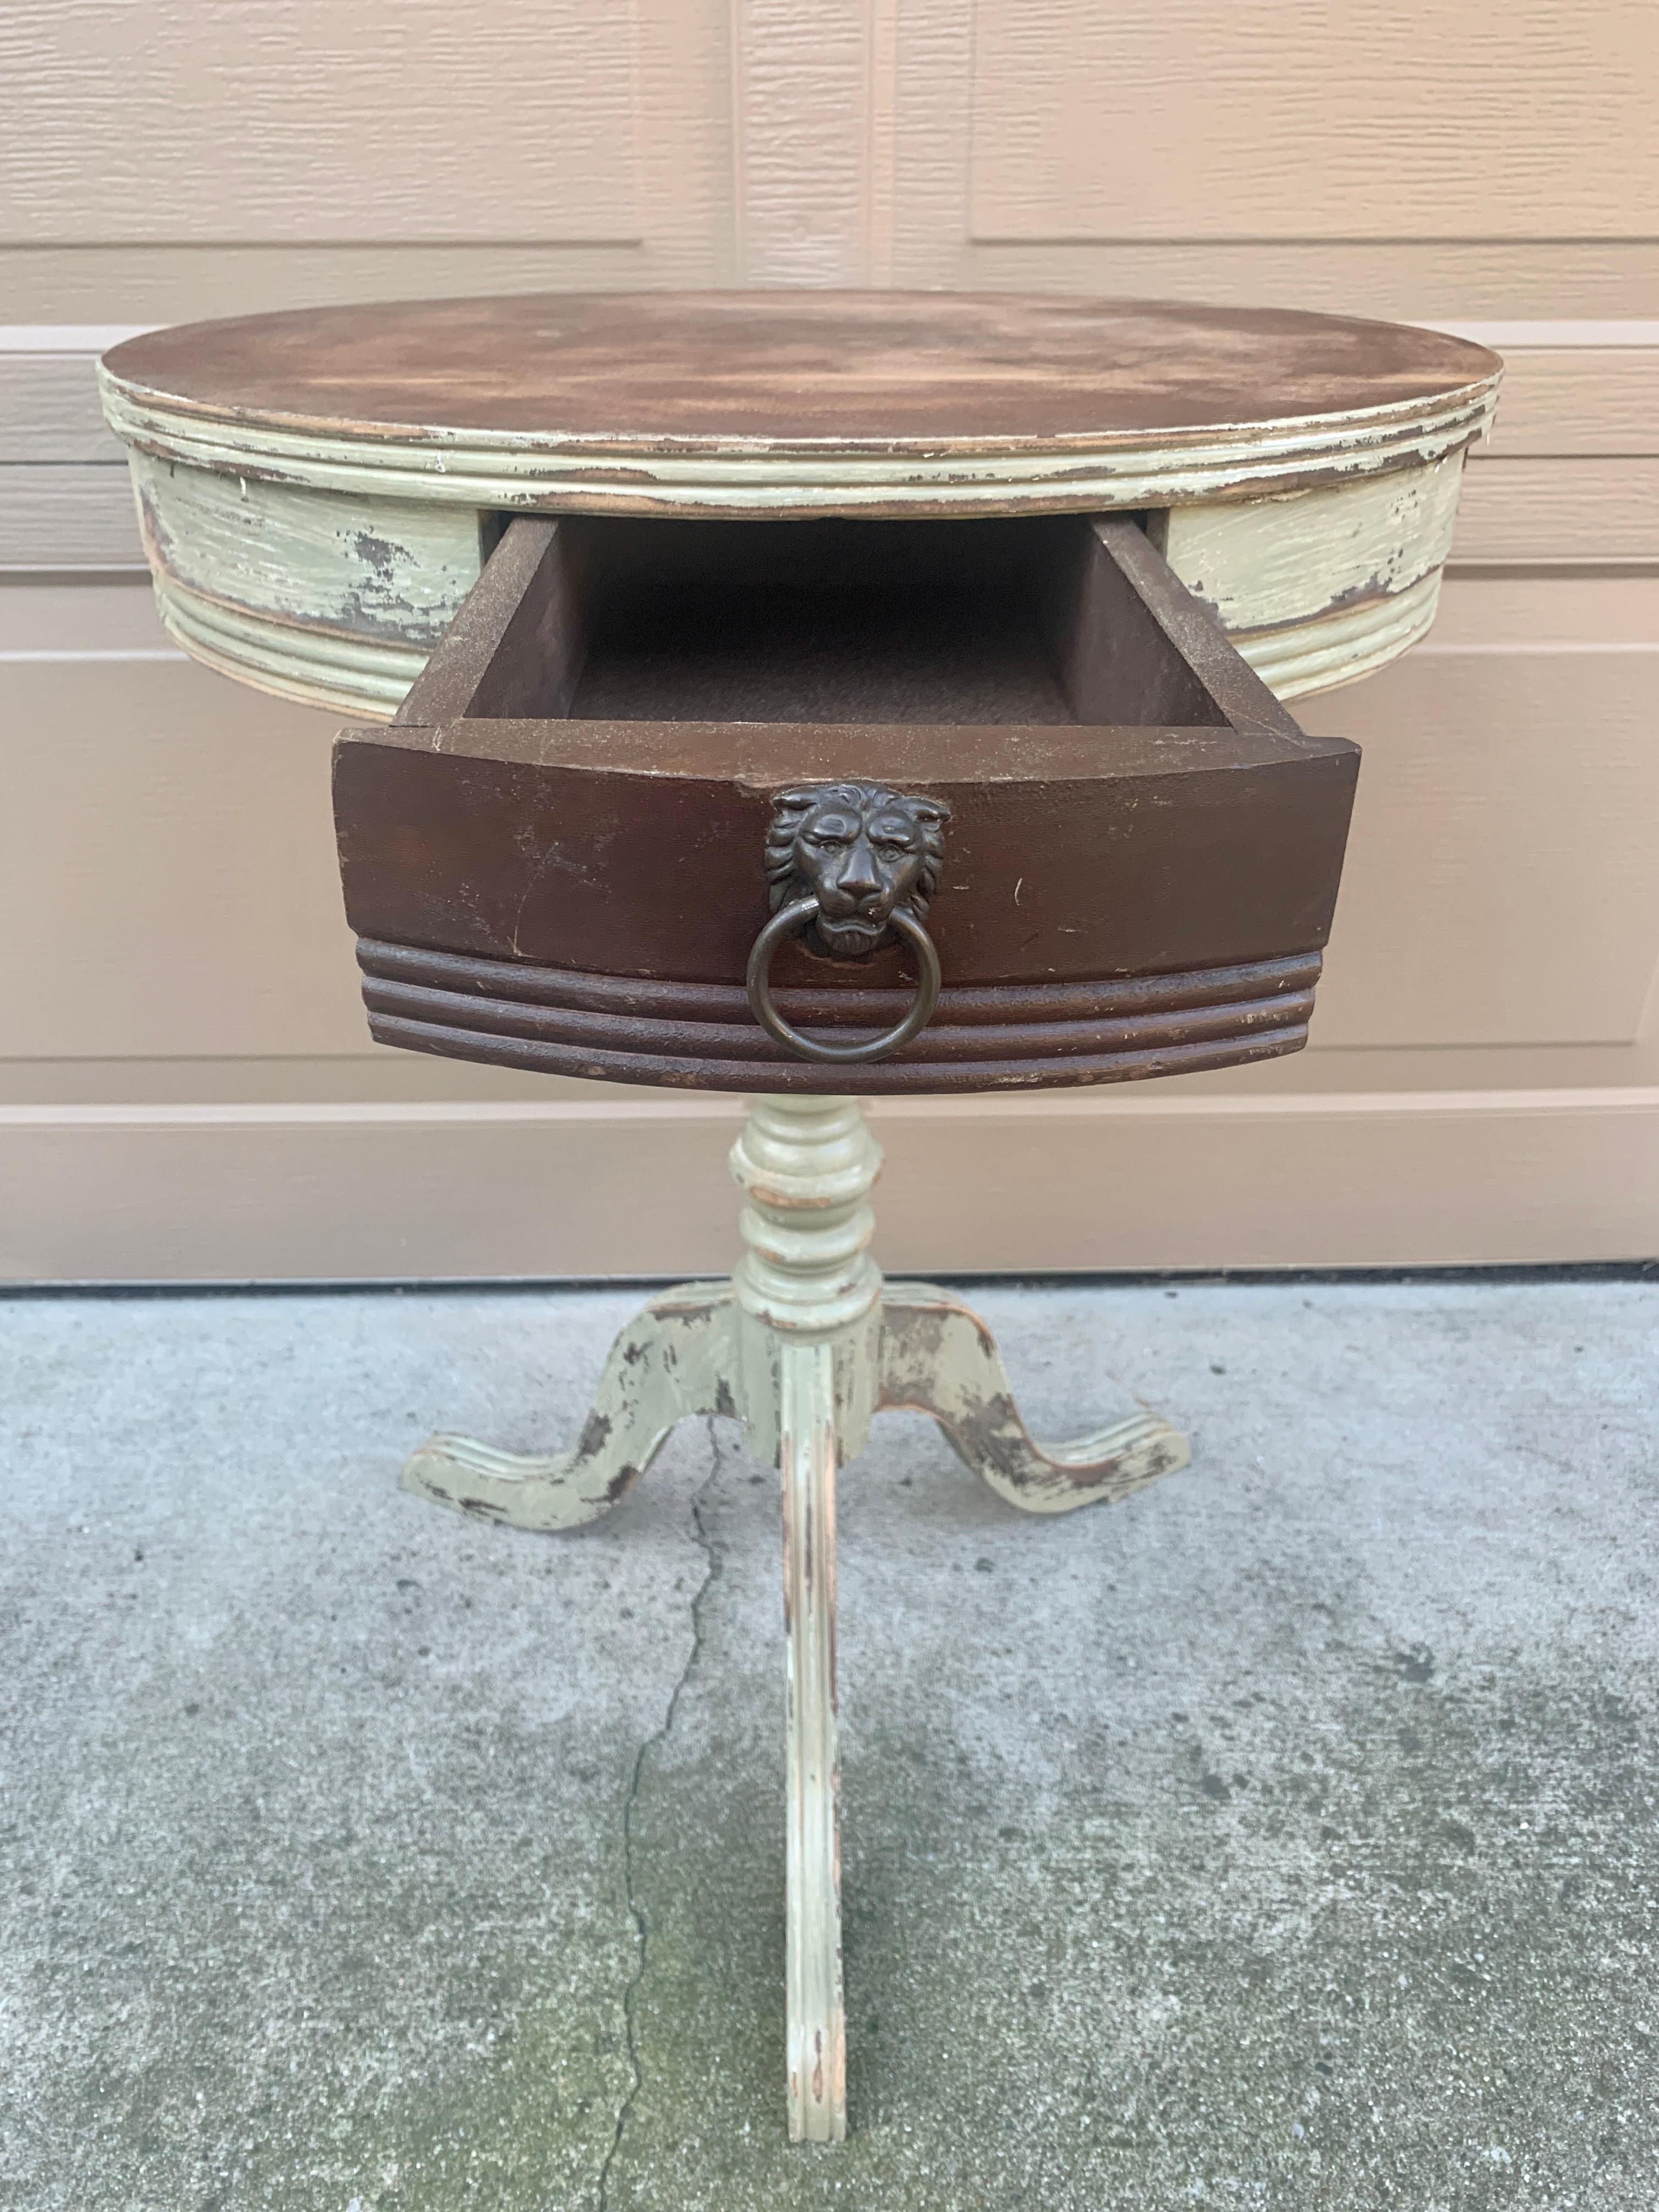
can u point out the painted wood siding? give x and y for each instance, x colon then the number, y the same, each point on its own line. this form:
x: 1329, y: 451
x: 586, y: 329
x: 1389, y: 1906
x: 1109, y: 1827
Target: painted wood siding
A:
x: 186, y: 1090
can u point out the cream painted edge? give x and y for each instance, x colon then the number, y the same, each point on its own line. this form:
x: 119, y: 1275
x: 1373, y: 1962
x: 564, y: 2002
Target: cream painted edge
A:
x: 1297, y: 658
x: 346, y: 674
x: 1356, y: 539
x: 567, y: 1190
x: 368, y: 679
x: 624, y: 476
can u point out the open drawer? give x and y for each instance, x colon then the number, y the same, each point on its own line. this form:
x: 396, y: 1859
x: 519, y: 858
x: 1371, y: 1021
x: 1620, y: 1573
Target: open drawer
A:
x: 1019, y: 748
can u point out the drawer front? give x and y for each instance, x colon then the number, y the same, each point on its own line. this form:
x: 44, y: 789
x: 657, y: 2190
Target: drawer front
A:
x: 1167, y: 914
x: 1141, y: 884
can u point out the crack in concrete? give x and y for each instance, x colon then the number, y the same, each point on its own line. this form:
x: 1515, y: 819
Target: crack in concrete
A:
x: 655, y: 1742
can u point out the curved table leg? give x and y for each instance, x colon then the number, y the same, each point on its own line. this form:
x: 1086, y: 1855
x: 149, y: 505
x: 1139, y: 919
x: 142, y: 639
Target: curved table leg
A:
x: 938, y: 1357
x: 669, y: 1362
x: 814, y: 2007
x: 790, y: 1348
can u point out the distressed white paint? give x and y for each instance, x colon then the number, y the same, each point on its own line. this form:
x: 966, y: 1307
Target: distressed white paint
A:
x: 803, y: 1345
x: 629, y: 475
x: 666, y: 1364
x: 937, y: 1358
x: 333, y: 596
x: 807, y: 1281
x: 1295, y: 658
x: 1260, y: 564
x: 815, y: 2008
x: 391, y: 570
x: 356, y: 675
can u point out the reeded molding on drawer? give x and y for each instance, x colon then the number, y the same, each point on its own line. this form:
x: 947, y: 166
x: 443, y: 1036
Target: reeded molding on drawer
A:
x: 992, y: 1037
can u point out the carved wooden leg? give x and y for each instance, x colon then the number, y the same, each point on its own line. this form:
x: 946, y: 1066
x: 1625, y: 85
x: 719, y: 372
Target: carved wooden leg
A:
x: 671, y: 1360
x: 938, y: 1357
x: 802, y: 1346
x: 809, y: 1292
x: 817, y: 2023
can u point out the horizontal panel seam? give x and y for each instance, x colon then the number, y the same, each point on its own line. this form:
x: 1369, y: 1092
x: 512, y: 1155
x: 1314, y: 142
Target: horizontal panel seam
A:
x: 1621, y: 1100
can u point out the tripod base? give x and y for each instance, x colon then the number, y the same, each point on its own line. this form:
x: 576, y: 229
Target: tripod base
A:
x: 680, y: 1356
x: 803, y: 1345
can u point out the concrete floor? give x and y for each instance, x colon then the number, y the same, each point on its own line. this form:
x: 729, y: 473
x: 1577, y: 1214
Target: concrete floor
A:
x: 1284, y: 1837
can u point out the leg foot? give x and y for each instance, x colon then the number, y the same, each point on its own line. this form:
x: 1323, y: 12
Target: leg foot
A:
x: 669, y: 1362
x: 938, y: 1357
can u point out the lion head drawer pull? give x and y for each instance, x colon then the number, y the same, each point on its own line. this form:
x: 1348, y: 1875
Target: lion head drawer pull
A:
x: 850, y: 862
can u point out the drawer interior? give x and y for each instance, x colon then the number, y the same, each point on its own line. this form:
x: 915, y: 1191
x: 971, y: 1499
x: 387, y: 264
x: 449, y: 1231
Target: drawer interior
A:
x: 557, y: 856
x: 1028, y: 623
x: 822, y: 622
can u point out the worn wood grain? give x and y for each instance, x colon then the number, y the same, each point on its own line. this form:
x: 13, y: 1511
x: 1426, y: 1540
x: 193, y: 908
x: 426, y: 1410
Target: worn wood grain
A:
x: 1187, y: 824
x: 1588, y: 399
x: 783, y: 404
x: 877, y: 373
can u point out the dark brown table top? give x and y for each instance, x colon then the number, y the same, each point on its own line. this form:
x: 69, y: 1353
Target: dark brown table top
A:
x: 843, y: 369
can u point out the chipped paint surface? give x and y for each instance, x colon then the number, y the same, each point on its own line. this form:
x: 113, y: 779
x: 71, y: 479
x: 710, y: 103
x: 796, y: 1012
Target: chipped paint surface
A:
x: 803, y: 1345
x: 938, y: 1357
x: 271, y: 542
x: 291, y: 592
x: 311, y: 594
x: 664, y: 1366
x: 736, y: 475
x: 1260, y: 564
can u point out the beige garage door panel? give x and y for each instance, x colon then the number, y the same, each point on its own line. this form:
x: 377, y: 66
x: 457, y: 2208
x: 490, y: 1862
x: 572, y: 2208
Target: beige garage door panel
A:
x: 1593, y: 400
x: 1535, y: 512
x: 1500, y: 885
x: 77, y: 514
x: 1126, y: 1180
x: 49, y: 406
x: 169, y: 884
x: 281, y: 119
x: 1293, y: 118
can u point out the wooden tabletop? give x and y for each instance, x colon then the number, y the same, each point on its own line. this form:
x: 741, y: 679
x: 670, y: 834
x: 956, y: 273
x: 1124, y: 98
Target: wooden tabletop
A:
x: 317, y: 488
x: 789, y: 369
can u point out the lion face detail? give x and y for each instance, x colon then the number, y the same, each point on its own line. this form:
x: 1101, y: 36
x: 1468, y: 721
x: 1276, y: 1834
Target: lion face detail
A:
x: 860, y: 850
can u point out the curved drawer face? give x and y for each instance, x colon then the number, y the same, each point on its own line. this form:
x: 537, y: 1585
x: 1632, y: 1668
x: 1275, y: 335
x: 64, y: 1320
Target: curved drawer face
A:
x: 703, y: 1037
x: 1066, y: 860
x: 1138, y: 870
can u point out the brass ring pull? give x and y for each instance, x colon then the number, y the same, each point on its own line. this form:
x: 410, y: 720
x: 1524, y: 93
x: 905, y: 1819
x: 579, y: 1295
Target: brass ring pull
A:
x: 788, y: 921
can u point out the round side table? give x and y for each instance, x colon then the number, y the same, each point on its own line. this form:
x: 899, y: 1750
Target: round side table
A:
x: 814, y: 695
